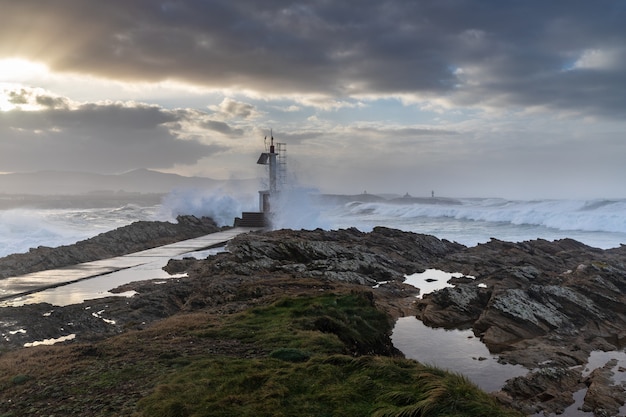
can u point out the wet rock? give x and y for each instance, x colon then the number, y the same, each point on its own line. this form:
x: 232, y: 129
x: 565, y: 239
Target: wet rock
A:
x: 548, y: 389
x: 453, y: 306
x: 135, y: 237
x: 545, y: 304
x: 603, y: 397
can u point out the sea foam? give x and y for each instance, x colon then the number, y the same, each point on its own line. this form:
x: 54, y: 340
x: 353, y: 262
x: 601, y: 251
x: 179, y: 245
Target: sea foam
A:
x: 565, y: 215
x: 218, y: 204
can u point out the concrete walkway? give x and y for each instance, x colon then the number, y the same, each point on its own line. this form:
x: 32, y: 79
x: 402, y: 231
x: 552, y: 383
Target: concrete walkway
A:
x: 37, y: 281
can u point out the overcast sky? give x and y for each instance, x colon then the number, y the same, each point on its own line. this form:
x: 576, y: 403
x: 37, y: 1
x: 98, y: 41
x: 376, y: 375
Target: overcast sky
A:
x: 489, y: 98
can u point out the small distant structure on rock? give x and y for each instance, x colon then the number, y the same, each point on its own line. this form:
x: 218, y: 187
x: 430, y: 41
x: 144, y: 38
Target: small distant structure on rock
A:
x: 276, y: 159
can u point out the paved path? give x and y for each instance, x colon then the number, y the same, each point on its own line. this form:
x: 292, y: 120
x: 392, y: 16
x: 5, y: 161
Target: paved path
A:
x: 37, y: 281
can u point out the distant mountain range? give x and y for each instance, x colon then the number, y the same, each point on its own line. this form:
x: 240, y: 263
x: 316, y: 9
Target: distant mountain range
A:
x: 136, y: 181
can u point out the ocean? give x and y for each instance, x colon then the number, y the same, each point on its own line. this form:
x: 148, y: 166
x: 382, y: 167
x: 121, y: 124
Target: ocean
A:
x: 598, y: 223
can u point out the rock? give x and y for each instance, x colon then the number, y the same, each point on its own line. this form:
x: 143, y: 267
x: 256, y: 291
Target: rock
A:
x: 548, y: 390
x: 135, y: 237
x: 603, y: 397
x: 452, y: 306
x: 533, y: 289
x: 545, y: 304
x: 287, y: 261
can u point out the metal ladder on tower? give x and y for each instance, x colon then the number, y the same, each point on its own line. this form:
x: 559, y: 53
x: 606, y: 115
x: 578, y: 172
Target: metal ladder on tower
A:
x: 281, y: 150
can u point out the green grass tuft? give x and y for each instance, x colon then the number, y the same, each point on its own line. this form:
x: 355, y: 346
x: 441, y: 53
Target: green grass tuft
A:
x: 290, y: 355
x: 20, y: 379
x: 316, y: 366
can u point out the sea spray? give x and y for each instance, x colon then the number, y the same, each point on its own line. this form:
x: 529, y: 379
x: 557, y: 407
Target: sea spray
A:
x: 25, y: 228
x: 470, y: 221
x: 599, y: 223
x: 294, y: 208
x: 221, y: 206
x: 564, y: 215
x: 34, y: 228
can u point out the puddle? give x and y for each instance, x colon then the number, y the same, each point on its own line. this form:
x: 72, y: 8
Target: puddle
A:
x: 50, y: 341
x: 100, y: 286
x: 455, y: 350
x: 432, y: 280
x: 598, y: 358
x: 460, y: 351
x: 98, y: 315
x: 92, y: 288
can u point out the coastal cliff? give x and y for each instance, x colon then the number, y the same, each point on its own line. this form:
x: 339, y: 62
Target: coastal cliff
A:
x: 542, y: 304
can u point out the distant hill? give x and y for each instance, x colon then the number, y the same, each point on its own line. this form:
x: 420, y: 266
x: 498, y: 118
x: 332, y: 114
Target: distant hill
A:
x: 136, y: 181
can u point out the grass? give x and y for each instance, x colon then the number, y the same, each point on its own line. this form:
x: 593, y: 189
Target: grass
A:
x: 321, y: 355
x: 316, y: 365
x: 326, y: 324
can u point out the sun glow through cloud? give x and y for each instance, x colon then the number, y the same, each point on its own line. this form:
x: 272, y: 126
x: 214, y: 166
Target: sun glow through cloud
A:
x: 19, y: 70
x: 5, y: 104
x: 14, y: 73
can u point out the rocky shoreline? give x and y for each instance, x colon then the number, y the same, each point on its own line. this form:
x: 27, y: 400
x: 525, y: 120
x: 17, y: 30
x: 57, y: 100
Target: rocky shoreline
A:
x: 545, y: 305
x: 135, y: 237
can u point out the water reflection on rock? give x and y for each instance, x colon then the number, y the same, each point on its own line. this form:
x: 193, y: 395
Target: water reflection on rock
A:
x: 454, y: 350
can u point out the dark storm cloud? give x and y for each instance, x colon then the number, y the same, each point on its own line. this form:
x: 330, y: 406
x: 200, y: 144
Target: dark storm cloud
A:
x: 221, y: 127
x: 299, y: 137
x: 26, y: 96
x: 230, y: 109
x: 52, y: 102
x: 107, y: 138
x: 18, y: 97
x: 406, y: 132
x: 488, y: 52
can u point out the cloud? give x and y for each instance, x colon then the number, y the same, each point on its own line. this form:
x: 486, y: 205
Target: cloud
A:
x: 230, y: 108
x: 18, y: 97
x: 402, y: 132
x: 103, y: 137
x: 221, y: 127
x: 470, y: 96
x: 601, y: 59
x: 26, y: 98
x: 52, y: 102
x: 490, y: 54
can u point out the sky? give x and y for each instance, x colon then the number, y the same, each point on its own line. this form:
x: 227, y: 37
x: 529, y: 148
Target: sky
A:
x: 492, y: 98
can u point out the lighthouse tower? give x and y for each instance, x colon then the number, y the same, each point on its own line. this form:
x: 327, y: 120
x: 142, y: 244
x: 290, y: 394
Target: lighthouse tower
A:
x: 276, y: 159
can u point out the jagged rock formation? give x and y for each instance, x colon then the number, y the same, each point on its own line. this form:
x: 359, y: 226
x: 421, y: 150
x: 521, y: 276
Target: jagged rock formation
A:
x: 341, y: 255
x: 258, y: 267
x: 599, y: 398
x: 545, y: 305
